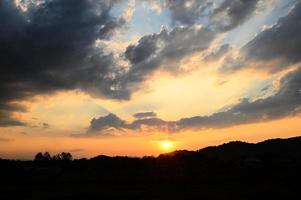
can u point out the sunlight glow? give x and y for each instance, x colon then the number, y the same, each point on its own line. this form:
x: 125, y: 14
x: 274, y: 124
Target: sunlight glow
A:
x: 167, y: 145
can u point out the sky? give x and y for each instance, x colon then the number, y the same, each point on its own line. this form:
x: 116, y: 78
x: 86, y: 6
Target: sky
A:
x: 137, y: 77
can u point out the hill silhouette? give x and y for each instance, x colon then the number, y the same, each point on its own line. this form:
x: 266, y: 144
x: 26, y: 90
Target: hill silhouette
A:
x: 236, y: 170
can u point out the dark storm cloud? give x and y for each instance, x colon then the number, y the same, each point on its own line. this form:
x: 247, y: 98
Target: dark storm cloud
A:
x: 174, y: 44
x: 281, y: 43
x: 144, y: 115
x: 51, y: 47
x: 166, y: 49
x: 163, y: 50
x: 285, y: 102
x: 217, y: 54
x: 232, y: 13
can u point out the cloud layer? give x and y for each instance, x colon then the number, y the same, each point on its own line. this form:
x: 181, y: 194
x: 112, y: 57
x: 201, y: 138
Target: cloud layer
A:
x: 221, y: 15
x: 284, y: 103
x: 142, y: 115
x: 52, y: 46
x: 279, y: 45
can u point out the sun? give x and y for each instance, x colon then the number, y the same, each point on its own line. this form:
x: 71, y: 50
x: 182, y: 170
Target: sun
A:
x: 167, y: 145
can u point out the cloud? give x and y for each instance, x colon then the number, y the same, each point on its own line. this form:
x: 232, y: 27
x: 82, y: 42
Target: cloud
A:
x: 50, y: 46
x: 6, y: 140
x: 279, y: 45
x: 7, y: 119
x: 6, y: 113
x: 218, y: 53
x: 45, y: 125
x: 163, y: 50
x: 187, y: 12
x: 144, y: 115
x: 232, y: 13
x: 148, y: 122
x: 285, y: 102
x: 222, y: 15
x: 109, y: 124
x: 103, y: 124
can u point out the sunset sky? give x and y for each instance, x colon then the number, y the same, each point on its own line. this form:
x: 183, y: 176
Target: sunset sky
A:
x: 138, y: 77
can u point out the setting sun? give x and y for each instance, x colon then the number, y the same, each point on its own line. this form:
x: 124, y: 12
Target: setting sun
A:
x: 167, y: 145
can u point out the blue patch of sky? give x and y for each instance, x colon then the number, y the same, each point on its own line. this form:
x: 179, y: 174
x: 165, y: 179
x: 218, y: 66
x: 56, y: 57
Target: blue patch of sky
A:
x: 144, y: 21
x: 251, y: 28
x: 118, y: 9
x: 260, y: 89
x: 248, y: 31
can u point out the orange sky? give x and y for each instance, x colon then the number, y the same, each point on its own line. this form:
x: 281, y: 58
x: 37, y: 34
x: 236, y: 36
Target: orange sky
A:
x: 25, y: 147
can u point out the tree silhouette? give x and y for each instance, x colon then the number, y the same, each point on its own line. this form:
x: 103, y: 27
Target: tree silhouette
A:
x: 47, y: 156
x: 66, y: 156
x: 42, y: 157
x: 39, y: 157
x: 63, y: 156
x: 56, y: 157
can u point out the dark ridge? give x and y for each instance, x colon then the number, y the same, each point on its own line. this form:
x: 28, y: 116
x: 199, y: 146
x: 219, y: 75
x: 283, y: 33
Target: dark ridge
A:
x: 235, y: 170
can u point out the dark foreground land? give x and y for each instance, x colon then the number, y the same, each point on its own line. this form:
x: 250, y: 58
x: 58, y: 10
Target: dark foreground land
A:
x: 237, y: 170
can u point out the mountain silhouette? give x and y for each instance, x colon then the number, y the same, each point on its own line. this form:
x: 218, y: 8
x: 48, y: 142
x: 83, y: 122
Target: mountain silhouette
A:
x: 236, y: 170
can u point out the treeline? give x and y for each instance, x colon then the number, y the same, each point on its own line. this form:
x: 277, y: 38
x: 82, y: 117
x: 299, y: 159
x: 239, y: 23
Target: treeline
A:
x: 64, y: 156
x: 236, y: 170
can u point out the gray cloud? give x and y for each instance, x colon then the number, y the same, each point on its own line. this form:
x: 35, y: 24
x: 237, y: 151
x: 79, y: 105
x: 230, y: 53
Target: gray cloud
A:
x: 188, y: 12
x: 281, y: 43
x: 51, y: 47
x: 106, y: 125
x: 163, y: 50
x: 150, y: 122
x: 223, y: 15
x: 144, y: 115
x: 232, y: 13
x: 284, y: 103
x: 6, y: 113
x: 7, y: 119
